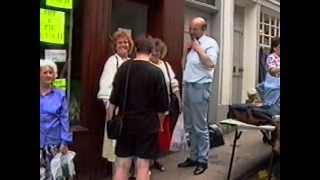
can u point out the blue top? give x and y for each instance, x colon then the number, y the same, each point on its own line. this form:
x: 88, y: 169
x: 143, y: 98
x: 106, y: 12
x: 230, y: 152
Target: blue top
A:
x: 54, y: 119
x: 195, y: 71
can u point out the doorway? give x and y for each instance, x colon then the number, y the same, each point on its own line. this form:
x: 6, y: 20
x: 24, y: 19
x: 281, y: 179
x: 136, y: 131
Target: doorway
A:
x: 132, y: 18
x: 237, y: 71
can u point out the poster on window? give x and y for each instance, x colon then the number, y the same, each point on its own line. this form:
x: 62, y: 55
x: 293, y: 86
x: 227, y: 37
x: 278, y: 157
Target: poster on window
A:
x: 56, y: 55
x: 52, y: 26
x: 60, y: 84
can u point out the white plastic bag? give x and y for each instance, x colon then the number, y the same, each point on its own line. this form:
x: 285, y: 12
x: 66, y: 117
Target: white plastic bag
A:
x: 63, y: 161
x: 42, y: 173
x: 55, y: 166
x: 179, y: 137
x: 67, y: 160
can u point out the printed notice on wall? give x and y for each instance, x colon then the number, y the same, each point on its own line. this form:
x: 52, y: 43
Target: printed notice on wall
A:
x: 52, y: 26
x: 56, y: 55
x: 66, y: 4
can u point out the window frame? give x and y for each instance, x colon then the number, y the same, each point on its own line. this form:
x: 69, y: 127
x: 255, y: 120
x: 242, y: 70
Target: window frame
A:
x: 265, y: 28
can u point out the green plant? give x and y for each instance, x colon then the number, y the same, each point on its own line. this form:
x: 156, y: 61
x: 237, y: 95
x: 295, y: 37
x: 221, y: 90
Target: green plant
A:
x: 74, y: 110
x: 75, y: 102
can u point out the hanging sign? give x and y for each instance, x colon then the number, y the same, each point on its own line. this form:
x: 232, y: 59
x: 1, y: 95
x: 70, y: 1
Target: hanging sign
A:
x: 52, y: 26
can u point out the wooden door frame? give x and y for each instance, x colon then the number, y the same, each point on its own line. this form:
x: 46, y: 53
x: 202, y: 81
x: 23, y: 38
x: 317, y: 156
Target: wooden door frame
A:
x: 91, y: 48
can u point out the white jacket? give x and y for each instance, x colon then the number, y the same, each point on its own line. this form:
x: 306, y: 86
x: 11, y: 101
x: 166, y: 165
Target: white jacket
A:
x: 106, y: 79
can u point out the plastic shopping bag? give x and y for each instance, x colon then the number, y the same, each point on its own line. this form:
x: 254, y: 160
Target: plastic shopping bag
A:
x: 42, y: 173
x: 179, y: 139
x: 55, y: 166
x: 62, y: 166
x: 68, y: 169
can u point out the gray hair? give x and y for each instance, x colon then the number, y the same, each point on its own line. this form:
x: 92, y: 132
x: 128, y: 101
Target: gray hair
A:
x: 51, y: 64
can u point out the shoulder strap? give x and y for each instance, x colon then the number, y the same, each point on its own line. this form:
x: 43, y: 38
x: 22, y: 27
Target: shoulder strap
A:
x: 167, y: 69
x: 117, y: 61
x: 126, y: 89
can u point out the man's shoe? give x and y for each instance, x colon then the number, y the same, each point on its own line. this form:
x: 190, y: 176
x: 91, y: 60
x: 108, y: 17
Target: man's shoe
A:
x: 201, y: 167
x: 187, y: 163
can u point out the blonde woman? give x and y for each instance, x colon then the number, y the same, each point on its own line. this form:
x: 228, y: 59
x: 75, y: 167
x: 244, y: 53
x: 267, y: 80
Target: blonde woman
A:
x: 122, y: 45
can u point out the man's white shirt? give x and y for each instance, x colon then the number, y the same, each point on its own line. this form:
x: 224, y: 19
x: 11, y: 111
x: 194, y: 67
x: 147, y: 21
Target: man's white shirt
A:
x: 194, y: 70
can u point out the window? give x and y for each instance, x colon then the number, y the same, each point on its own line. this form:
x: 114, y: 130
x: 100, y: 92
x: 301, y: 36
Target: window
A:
x: 273, y: 20
x: 269, y: 28
x: 273, y: 31
x: 68, y: 68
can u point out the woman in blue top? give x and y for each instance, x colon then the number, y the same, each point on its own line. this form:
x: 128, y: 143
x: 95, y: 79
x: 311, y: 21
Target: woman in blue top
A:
x: 55, y: 132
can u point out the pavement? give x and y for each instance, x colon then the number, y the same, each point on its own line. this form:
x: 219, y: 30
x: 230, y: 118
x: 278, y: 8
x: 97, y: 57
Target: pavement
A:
x: 250, y: 153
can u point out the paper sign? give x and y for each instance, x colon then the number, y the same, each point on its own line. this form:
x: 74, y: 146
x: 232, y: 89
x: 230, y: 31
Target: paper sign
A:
x: 60, y: 84
x: 66, y: 4
x: 129, y: 31
x: 52, y: 26
x: 56, y: 55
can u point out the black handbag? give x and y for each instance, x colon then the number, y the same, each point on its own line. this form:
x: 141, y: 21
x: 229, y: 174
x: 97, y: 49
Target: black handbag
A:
x: 174, y: 109
x: 115, y: 125
x: 215, y: 137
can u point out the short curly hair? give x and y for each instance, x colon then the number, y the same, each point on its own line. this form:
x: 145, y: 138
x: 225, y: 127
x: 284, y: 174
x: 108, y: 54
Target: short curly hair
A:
x: 121, y: 34
x: 144, y: 44
x: 51, y: 64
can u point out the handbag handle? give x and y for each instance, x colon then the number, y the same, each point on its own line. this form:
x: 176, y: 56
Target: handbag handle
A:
x: 167, y: 69
x: 117, y: 62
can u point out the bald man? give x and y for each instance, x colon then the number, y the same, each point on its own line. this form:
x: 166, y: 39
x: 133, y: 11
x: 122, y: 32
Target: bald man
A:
x: 198, y: 74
